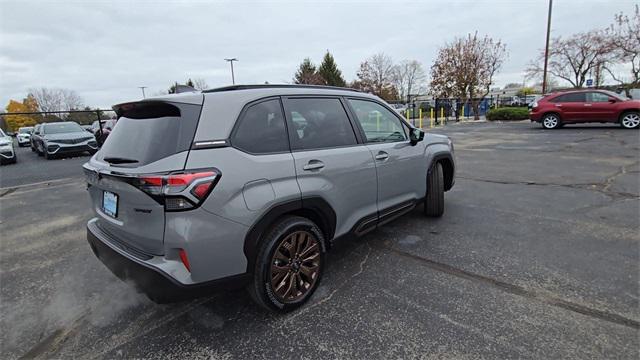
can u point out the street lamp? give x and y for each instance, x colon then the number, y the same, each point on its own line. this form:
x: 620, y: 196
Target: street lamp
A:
x: 233, y: 78
x: 546, y: 50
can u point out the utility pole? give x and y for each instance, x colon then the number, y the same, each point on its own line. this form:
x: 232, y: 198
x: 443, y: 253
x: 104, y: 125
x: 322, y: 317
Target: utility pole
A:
x: 233, y: 78
x: 546, y: 50
x: 142, y: 88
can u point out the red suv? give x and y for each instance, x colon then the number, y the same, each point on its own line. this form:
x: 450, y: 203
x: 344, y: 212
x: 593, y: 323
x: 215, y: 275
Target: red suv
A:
x: 584, y: 106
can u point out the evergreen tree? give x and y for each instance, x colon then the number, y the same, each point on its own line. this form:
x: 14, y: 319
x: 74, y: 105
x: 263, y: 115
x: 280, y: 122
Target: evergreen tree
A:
x: 329, y: 71
x: 307, y: 74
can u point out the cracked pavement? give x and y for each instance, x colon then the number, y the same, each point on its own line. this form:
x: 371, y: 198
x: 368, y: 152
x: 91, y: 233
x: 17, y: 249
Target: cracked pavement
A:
x: 537, y: 256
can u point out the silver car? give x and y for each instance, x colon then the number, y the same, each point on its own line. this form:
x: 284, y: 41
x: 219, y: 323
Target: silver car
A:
x: 61, y: 138
x: 248, y: 186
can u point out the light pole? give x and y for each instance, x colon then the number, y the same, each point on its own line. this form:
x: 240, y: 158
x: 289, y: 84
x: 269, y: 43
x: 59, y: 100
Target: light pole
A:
x: 233, y: 78
x: 546, y: 50
x: 142, y: 88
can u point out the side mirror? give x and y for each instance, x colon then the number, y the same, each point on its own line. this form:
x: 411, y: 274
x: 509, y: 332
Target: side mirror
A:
x: 415, y: 136
x: 612, y: 100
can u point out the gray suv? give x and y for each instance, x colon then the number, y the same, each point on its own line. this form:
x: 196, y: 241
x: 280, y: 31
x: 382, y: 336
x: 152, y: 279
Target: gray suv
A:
x: 248, y: 186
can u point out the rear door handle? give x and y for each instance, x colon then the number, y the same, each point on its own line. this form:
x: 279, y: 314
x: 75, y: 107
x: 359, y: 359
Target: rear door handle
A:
x: 382, y: 155
x: 587, y: 104
x: 313, y: 165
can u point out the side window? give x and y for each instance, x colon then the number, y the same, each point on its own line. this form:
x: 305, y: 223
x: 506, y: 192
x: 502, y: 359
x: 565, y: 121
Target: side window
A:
x: 318, y: 123
x: 378, y: 123
x: 597, y: 97
x: 261, y: 129
x: 574, y: 97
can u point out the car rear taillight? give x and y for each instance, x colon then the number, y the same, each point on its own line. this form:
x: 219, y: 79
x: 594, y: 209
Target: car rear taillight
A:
x: 180, y: 191
x: 185, y: 259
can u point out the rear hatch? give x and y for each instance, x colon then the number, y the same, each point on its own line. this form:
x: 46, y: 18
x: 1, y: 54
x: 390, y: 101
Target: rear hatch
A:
x: 127, y: 178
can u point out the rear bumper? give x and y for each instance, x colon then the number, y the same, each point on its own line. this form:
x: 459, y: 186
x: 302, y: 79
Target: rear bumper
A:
x: 535, y: 116
x: 157, y: 285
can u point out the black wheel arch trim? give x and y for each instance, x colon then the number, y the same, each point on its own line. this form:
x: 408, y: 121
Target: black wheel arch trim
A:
x: 449, y: 178
x: 315, y: 208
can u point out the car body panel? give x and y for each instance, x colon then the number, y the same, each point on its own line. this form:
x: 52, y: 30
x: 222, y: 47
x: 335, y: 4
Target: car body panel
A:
x: 347, y: 181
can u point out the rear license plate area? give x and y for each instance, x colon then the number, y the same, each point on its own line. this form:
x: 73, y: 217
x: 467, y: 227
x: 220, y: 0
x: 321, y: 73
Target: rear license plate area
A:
x: 110, y: 203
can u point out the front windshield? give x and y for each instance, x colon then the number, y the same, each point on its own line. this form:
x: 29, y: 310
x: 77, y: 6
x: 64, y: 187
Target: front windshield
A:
x: 61, y: 128
x: 2, y: 133
x: 25, y: 130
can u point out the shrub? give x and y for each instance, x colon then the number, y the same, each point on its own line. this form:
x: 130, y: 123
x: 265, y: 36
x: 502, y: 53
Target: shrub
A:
x: 510, y: 113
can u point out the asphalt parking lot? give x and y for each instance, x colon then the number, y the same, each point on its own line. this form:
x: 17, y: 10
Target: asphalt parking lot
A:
x: 537, y: 256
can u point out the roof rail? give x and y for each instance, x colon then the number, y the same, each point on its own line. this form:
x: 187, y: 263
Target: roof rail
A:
x: 276, y: 86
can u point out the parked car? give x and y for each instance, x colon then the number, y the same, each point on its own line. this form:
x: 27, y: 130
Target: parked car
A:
x: 60, y: 138
x: 24, y: 136
x: 250, y: 186
x: 585, y: 106
x: 102, y: 129
x: 35, y: 134
x: 7, y: 152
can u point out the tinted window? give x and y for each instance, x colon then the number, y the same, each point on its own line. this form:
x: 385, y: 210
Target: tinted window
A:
x: 318, y: 123
x: 597, y: 97
x: 379, y: 123
x: 60, y: 128
x: 152, y: 131
x: 574, y: 97
x: 261, y: 129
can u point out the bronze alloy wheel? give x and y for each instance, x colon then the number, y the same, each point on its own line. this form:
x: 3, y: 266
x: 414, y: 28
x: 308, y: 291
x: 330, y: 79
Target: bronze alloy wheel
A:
x: 295, y: 266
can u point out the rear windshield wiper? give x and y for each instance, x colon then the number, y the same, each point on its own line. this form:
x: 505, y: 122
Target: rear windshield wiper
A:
x: 119, y: 160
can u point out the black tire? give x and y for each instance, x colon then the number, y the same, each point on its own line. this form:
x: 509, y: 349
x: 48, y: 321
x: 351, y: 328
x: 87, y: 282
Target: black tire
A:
x: 629, y: 120
x: 261, y: 289
x: 434, y: 201
x: 551, y: 121
x: 40, y: 153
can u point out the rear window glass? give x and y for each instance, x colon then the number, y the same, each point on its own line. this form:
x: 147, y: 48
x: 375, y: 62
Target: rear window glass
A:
x: 261, y: 129
x: 150, y: 132
x: 61, y: 128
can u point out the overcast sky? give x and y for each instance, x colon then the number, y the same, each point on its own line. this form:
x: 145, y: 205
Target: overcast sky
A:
x: 106, y: 49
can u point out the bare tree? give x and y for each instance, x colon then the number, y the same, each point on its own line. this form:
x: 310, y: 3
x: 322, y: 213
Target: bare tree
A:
x: 573, y: 59
x: 200, y: 84
x: 56, y: 99
x: 408, y: 78
x: 465, y: 68
x: 376, y: 76
x: 623, y: 38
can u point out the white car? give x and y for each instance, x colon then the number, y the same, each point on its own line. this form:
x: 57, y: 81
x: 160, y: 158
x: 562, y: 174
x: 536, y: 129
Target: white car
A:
x: 24, y: 136
x: 7, y: 153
